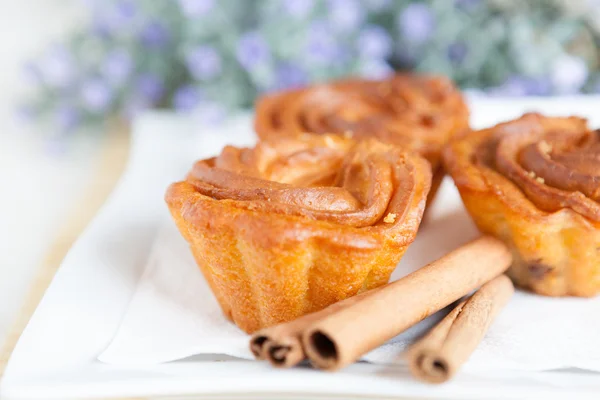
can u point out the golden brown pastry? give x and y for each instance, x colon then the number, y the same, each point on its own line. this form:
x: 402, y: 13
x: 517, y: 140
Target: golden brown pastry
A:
x: 297, y: 224
x: 416, y: 111
x: 535, y: 183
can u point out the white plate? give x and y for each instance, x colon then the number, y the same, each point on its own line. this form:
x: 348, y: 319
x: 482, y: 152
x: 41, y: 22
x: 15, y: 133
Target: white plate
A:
x: 81, y: 311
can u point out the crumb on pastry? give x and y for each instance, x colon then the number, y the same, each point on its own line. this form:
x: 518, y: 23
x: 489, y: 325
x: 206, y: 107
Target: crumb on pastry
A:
x: 390, y: 218
x: 545, y: 147
x: 540, y: 180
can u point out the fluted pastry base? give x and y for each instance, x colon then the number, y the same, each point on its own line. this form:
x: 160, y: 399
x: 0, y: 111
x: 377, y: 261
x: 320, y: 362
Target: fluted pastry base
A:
x: 555, y: 254
x: 523, y: 181
x: 269, y: 270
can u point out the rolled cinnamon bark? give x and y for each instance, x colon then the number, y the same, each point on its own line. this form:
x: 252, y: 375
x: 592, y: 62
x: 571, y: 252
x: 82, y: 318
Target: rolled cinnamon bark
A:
x: 340, y: 338
x: 281, y: 345
x: 440, y: 353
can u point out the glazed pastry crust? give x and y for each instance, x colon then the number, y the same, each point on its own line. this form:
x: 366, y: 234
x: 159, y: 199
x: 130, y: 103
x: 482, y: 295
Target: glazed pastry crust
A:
x: 418, y: 112
x: 555, y: 242
x: 288, y: 228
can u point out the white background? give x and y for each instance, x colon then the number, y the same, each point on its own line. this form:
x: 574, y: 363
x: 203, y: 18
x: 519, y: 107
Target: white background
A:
x: 37, y: 187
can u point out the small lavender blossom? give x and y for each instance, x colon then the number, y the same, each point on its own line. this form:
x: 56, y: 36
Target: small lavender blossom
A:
x: 154, y: 35
x: 25, y: 113
x: 125, y: 10
x: 289, y: 75
x: 345, y: 15
x: 66, y: 117
x: 375, y: 69
x: 516, y: 85
x: 298, y: 8
x: 57, y: 68
x: 112, y: 17
x: 95, y: 96
x: 568, y: 74
x: 512, y: 86
x: 416, y: 23
x: 117, y: 66
x: 186, y: 98
x: 374, y: 41
x: 203, y: 62
x: 210, y: 113
x: 31, y: 74
x: 150, y: 87
x: 539, y: 86
x: 457, y: 52
x: 252, y: 51
x: 196, y: 8
x: 321, y: 46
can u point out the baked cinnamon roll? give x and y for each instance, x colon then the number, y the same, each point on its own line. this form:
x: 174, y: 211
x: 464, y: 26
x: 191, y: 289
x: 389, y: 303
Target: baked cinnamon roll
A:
x: 418, y: 112
x: 535, y: 183
x: 296, y: 224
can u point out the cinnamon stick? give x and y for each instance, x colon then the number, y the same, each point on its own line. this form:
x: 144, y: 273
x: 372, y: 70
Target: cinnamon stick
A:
x: 281, y: 345
x: 341, y: 337
x: 440, y: 353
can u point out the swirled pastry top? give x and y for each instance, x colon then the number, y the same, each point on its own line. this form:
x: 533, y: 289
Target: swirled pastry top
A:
x: 555, y: 162
x: 416, y: 111
x: 327, y: 180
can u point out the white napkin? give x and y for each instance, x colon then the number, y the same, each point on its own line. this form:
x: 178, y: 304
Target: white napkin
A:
x: 173, y: 313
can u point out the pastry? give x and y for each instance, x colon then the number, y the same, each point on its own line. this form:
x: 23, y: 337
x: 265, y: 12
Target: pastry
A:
x: 535, y: 183
x: 416, y: 111
x: 296, y: 224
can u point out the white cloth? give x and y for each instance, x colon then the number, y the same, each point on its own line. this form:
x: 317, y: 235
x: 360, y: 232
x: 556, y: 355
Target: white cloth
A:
x: 173, y: 313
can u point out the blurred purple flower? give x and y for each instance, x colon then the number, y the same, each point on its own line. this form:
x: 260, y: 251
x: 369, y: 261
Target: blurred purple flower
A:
x: 298, y: 8
x: 66, y: 117
x: 321, y: 46
x: 57, y: 68
x: 210, y: 113
x: 203, y: 62
x: 345, y: 15
x: 516, y: 85
x: 568, y: 74
x: 252, y: 50
x: 125, y: 11
x: 374, y: 41
x: 186, y: 98
x: 467, y: 5
x: 150, y: 87
x: 154, y: 35
x: 25, y: 113
x: 375, y: 69
x: 95, y: 95
x: 196, y: 8
x: 376, y: 5
x: 108, y: 17
x: 289, y: 76
x: 457, y: 52
x: 31, y: 74
x: 416, y: 23
x: 117, y: 66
